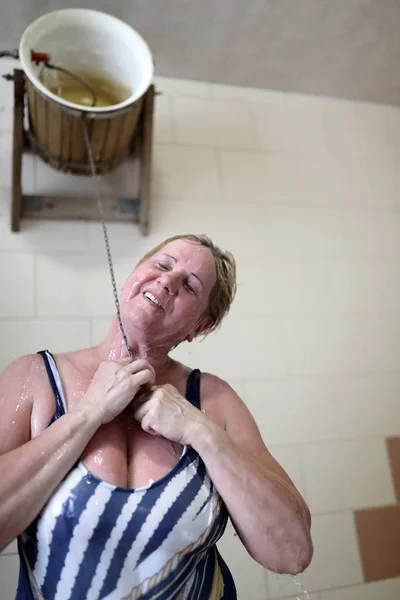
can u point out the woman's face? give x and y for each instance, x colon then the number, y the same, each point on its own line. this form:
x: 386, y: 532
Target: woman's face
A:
x: 167, y: 295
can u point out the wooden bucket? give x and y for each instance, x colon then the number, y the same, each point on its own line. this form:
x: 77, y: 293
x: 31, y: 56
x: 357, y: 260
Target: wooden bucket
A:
x: 107, y: 47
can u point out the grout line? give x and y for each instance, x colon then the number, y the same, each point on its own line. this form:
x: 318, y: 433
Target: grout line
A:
x: 172, y: 119
x: 35, y: 287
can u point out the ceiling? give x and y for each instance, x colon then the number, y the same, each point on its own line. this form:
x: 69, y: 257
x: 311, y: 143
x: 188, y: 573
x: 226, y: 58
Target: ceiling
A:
x: 343, y: 48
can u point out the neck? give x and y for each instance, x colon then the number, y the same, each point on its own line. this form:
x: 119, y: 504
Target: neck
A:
x: 113, y: 347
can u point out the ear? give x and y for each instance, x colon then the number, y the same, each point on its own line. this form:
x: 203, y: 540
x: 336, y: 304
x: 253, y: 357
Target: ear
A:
x: 204, y: 323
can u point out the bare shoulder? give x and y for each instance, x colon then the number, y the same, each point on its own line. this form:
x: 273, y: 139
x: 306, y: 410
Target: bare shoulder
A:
x: 217, y: 389
x: 19, y: 383
x: 20, y: 371
x: 233, y: 412
x: 218, y: 396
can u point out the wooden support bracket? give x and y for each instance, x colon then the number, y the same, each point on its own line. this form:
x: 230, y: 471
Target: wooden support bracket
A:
x: 31, y: 206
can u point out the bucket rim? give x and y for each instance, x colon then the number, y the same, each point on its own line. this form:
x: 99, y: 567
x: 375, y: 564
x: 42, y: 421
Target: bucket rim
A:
x: 78, y: 107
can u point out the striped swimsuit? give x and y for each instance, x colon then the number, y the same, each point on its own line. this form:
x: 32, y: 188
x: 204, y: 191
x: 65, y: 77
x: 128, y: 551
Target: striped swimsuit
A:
x: 94, y: 540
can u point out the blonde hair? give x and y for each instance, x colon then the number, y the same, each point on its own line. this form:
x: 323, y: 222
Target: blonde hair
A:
x: 224, y: 290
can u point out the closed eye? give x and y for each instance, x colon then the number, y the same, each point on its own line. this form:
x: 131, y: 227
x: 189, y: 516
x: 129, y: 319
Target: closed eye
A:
x: 163, y: 266
x: 189, y: 287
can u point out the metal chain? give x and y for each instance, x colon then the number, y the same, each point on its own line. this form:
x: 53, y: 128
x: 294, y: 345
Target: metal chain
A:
x: 100, y: 207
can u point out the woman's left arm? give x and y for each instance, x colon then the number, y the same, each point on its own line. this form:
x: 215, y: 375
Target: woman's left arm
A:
x: 267, y: 511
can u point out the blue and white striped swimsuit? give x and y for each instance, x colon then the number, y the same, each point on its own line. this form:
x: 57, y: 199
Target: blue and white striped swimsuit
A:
x: 94, y: 540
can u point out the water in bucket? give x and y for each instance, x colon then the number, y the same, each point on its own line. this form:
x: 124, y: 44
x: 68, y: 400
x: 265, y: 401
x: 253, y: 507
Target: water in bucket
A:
x: 107, y: 92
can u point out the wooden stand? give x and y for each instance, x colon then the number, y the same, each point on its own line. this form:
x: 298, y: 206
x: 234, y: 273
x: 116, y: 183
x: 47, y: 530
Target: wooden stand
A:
x: 135, y: 210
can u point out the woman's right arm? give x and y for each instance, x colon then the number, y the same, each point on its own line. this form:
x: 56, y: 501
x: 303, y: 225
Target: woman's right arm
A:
x: 31, y: 469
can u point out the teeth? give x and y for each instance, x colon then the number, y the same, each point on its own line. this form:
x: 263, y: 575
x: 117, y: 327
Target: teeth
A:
x: 150, y: 296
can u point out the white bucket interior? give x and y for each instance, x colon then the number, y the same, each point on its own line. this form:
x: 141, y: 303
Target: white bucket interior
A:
x: 86, y: 40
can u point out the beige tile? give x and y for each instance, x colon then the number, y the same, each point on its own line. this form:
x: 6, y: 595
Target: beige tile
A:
x: 393, y: 450
x: 183, y: 87
x: 363, y: 133
x: 317, y: 345
x: 28, y: 164
x: 319, y: 287
x: 293, y: 411
x: 370, y: 235
x: 6, y: 116
x: 7, y: 87
x: 261, y: 177
x: 24, y: 337
x: 83, y: 285
x: 234, y: 229
x: 120, y: 182
x: 11, y: 548
x: 125, y: 239
x: 185, y: 173
x: 382, y: 590
x: 9, y: 566
x: 17, y: 278
x: 243, y: 176
x: 246, y: 94
x: 248, y: 575
x: 336, y: 560
x: 271, y: 282
x: 393, y: 122
x: 221, y: 354
x: 213, y: 123
x: 301, y: 233
x: 163, y: 129
x: 367, y: 405
x: 318, y: 102
x: 290, y: 129
x: 38, y: 235
x: 338, y: 183
x: 383, y: 179
x: 346, y: 475
x: 98, y: 330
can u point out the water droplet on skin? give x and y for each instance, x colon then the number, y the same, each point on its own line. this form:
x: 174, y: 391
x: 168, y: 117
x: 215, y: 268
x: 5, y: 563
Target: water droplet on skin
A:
x: 98, y: 458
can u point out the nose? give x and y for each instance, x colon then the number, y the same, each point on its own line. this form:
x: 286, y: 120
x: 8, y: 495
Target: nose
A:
x: 170, y: 281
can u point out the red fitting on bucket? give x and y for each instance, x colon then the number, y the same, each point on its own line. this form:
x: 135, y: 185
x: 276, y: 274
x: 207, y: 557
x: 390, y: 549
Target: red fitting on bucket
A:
x: 38, y: 57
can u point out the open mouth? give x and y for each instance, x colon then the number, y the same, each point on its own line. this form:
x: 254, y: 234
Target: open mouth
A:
x: 152, y: 299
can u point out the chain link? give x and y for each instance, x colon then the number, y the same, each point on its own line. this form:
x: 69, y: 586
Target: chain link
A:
x: 103, y: 223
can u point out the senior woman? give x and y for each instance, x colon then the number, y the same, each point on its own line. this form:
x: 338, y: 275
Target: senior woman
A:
x: 118, y: 474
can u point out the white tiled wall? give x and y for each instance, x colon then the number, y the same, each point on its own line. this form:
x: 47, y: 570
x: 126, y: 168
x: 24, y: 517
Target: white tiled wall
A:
x: 304, y: 192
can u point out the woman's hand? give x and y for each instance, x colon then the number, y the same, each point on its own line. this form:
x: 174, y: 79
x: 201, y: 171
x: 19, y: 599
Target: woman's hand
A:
x: 164, y: 411
x: 114, y: 386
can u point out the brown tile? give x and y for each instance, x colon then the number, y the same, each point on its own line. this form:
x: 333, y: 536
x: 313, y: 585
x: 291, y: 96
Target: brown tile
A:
x: 393, y: 448
x: 378, y: 532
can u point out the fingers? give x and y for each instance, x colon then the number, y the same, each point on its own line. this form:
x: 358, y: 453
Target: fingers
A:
x: 146, y: 377
x: 136, y: 365
x: 139, y: 412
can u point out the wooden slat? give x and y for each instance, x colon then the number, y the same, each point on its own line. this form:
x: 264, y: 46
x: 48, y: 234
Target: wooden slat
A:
x: 54, y: 127
x: 78, y: 149
x: 98, y: 137
x: 129, y: 127
x: 18, y: 141
x: 79, y: 208
x: 66, y: 136
x: 115, y: 129
x: 146, y: 147
x: 31, y: 104
x: 41, y: 124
